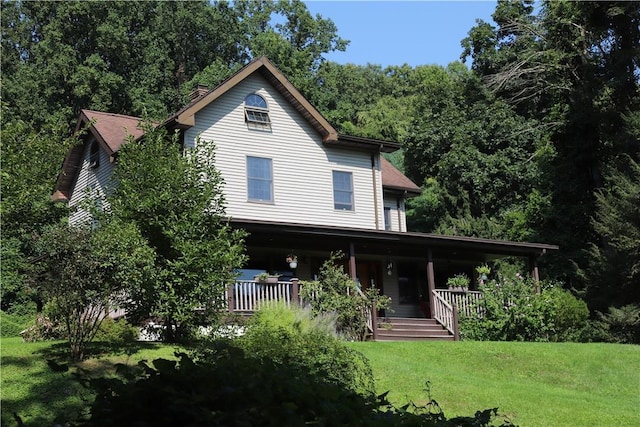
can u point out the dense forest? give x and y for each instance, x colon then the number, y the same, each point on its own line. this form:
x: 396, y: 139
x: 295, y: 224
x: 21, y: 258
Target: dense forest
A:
x: 534, y: 135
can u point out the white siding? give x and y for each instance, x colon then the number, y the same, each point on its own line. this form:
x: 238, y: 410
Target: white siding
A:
x: 93, y: 181
x: 302, y: 165
x: 397, y: 213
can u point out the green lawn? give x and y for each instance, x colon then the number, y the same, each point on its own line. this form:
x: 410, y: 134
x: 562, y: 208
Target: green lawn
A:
x: 534, y: 384
x: 31, y: 389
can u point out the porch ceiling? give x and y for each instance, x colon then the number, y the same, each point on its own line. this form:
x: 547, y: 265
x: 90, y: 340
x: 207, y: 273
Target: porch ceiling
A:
x: 326, y: 238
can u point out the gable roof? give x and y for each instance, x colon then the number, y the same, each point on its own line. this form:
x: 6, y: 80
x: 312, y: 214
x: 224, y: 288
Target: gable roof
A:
x: 110, y: 130
x: 393, y: 179
x: 186, y: 116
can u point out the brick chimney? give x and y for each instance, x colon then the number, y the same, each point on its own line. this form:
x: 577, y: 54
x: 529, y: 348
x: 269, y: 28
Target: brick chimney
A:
x: 199, y: 91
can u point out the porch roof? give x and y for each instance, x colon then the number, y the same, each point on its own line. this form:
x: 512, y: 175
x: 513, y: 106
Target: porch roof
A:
x: 378, y: 242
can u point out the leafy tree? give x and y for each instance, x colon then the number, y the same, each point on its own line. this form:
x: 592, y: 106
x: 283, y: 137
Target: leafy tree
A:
x: 30, y: 164
x: 175, y: 200
x: 474, y: 151
x: 83, y: 274
x: 573, y: 69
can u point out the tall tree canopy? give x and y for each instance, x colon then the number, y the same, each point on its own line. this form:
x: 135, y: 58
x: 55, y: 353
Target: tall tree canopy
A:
x: 573, y: 67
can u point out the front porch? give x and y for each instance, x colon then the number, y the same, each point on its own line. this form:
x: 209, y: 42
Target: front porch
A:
x: 246, y: 296
x: 411, y: 268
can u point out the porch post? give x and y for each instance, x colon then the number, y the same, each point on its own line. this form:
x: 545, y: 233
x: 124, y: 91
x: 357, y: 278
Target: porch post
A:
x: 230, y: 301
x: 352, y: 261
x: 431, y: 281
x: 535, y: 274
x: 295, y: 299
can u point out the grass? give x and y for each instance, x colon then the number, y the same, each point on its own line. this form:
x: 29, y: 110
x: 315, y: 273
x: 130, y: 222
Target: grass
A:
x: 534, y: 384
x: 31, y: 389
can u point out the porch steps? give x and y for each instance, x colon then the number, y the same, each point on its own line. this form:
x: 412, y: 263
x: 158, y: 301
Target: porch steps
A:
x: 410, y: 329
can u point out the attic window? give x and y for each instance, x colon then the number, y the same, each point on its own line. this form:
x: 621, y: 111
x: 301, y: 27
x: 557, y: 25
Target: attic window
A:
x: 256, y: 110
x: 94, y: 155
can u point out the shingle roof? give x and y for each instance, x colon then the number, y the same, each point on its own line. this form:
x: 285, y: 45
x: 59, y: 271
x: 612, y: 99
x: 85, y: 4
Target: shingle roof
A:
x: 393, y: 179
x: 113, y: 129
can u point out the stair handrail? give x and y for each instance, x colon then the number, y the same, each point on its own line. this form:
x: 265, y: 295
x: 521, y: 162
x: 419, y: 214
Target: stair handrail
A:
x: 369, y: 314
x: 446, y: 314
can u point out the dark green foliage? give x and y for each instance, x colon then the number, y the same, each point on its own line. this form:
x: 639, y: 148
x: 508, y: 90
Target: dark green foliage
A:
x: 231, y: 387
x: 512, y: 310
x: 116, y: 331
x: 572, y: 68
x: 175, y: 202
x: 616, y: 261
x: 618, y: 325
x: 31, y: 158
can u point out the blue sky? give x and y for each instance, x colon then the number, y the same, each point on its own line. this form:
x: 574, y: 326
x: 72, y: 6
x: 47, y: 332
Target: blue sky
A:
x: 399, y: 32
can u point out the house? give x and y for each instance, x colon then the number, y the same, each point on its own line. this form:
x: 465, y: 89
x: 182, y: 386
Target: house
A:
x: 298, y: 186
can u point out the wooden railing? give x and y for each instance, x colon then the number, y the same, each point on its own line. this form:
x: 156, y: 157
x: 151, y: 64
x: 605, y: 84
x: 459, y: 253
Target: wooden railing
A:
x: 369, y: 312
x: 446, y: 314
x: 464, y: 301
x: 246, y: 296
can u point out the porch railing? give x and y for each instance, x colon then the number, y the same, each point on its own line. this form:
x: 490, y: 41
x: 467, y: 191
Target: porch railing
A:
x: 246, y: 296
x: 446, y: 314
x: 464, y: 301
x: 370, y: 313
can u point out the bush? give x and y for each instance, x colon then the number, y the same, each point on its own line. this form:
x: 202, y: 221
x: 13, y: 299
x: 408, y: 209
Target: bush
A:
x: 12, y: 324
x: 308, y: 344
x: 335, y: 293
x: 42, y: 329
x: 514, y: 311
x: 231, y: 387
x: 618, y: 325
x: 116, y: 331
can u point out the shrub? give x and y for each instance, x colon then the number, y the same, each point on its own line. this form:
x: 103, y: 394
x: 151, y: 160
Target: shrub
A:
x: 12, y: 324
x: 335, y: 293
x: 233, y: 388
x: 116, y: 331
x: 42, y: 329
x: 514, y: 311
x: 618, y: 325
x: 294, y: 337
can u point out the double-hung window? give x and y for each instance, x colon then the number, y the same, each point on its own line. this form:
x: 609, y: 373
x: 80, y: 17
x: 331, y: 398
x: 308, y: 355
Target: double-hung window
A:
x: 342, y: 190
x: 259, y: 179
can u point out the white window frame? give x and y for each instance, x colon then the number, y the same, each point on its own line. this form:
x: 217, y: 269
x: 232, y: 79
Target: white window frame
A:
x: 254, y: 178
x: 256, y: 110
x: 340, y: 190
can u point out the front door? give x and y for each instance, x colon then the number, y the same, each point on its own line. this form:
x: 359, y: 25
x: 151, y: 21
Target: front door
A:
x: 369, y: 274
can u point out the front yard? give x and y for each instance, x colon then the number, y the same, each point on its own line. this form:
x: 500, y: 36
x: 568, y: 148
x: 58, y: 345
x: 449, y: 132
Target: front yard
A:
x: 535, y: 384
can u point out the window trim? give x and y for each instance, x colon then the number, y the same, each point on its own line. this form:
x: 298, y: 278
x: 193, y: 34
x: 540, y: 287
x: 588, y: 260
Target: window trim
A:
x: 250, y: 178
x: 387, y: 218
x: 254, y: 113
x: 336, y: 203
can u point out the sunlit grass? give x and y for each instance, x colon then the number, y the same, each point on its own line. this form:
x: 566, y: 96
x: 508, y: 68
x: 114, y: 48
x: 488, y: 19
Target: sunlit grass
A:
x: 534, y: 384
x: 37, y: 394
